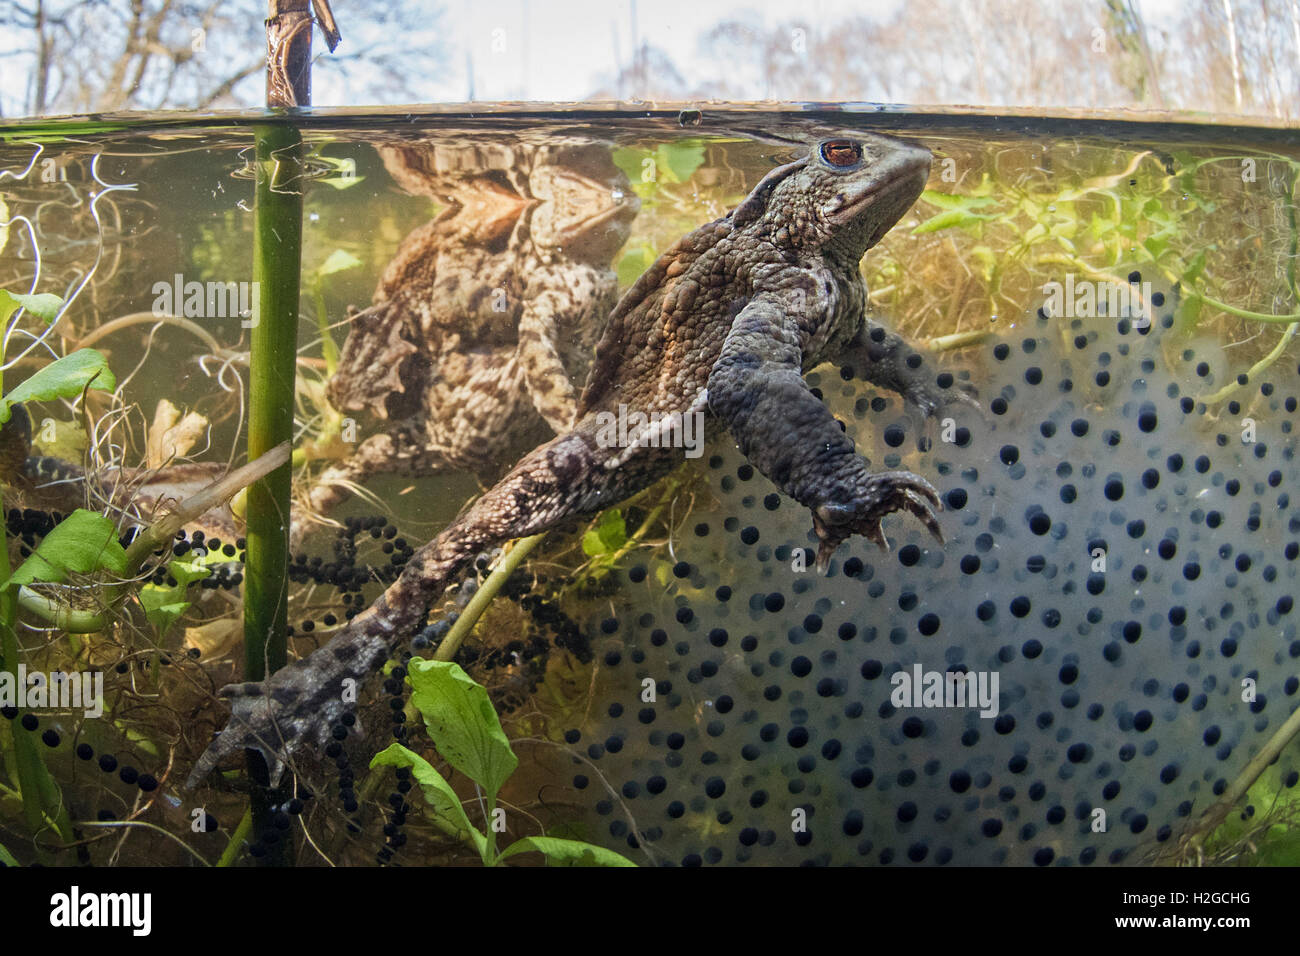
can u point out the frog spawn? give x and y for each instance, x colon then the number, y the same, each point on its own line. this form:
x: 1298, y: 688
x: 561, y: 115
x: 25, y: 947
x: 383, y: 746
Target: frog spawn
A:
x: 1117, y: 555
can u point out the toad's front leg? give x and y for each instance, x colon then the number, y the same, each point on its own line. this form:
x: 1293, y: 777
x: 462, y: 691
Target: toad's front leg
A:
x: 757, y: 389
x: 887, y: 360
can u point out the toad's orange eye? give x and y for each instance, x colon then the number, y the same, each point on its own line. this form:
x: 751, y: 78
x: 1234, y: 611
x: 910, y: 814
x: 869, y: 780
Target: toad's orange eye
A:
x: 842, y: 152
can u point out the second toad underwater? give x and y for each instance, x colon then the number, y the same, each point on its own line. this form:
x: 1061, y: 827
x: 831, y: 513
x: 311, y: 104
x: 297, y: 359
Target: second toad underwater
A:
x: 723, y: 324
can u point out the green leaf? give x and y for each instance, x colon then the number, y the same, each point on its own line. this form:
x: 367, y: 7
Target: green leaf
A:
x: 82, y: 542
x: 952, y: 218
x: 6, y: 857
x: 68, y: 441
x: 987, y: 260
x: 463, y: 724
x: 1153, y: 246
x: 1194, y: 268
x: 1066, y: 244
x: 668, y: 163
x: 1065, y: 230
x: 591, y: 544
x: 338, y: 261
x: 680, y: 160
x: 66, y: 133
x: 341, y: 182
x: 1187, y: 183
x: 44, y: 306
x: 609, y: 535
x: 437, y: 791
x: 187, y: 572
x: 62, y: 378
x: 566, y: 852
x: 160, y: 609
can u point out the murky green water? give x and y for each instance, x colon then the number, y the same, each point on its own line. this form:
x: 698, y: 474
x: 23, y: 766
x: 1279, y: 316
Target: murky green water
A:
x: 1120, y: 541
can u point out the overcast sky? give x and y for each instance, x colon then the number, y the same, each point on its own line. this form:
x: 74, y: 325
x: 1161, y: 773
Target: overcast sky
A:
x: 563, y: 49
x: 554, y: 50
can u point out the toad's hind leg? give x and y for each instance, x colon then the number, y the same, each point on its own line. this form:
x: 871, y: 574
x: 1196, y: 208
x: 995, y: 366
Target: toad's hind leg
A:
x: 562, y: 479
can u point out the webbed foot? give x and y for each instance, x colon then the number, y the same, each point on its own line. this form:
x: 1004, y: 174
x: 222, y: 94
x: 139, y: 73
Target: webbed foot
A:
x: 927, y: 402
x: 879, y: 495
x: 298, y: 704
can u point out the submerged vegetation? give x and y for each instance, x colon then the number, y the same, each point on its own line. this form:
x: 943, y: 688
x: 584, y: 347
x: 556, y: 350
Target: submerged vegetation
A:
x: 464, y: 726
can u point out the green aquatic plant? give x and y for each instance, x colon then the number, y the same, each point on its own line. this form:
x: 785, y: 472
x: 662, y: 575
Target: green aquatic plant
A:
x: 79, y: 544
x: 609, y: 540
x: 65, y: 377
x: 165, y: 603
x: 603, y: 542
x: 86, y: 544
x: 465, y: 729
x: 1259, y: 826
x: 325, y: 423
x: 1148, y: 216
x: 484, y: 596
x: 277, y: 262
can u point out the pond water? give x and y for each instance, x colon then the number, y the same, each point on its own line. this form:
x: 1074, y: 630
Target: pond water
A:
x: 678, y: 680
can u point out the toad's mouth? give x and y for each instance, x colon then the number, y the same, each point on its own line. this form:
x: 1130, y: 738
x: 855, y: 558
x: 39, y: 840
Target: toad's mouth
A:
x: 899, y: 189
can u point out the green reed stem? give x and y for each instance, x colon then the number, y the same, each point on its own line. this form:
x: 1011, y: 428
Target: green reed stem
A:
x: 483, y: 596
x: 1219, y: 810
x: 959, y: 340
x: 277, y: 259
x: 1258, y: 367
x: 277, y: 262
x: 236, y: 844
x: 1243, y: 313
